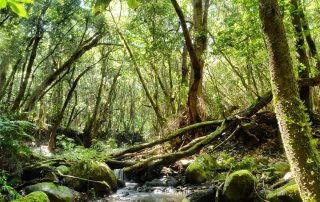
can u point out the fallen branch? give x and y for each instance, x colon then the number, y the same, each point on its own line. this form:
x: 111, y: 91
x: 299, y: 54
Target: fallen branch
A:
x: 175, y: 134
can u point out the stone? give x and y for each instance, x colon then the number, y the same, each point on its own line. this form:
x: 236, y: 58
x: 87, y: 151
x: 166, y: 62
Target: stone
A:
x: 37, y: 196
x: 201, y: 196
x: 200, y: 170
x: 286, y: 193
x: 163, y: 182
x: 280, y: 168
x: 105, y: 178
x: 239, y: 186
x: 54, y: 192
x: 63, y: 169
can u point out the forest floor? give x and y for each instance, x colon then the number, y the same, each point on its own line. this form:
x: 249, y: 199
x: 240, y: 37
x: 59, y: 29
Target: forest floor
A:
x: 257, y: 149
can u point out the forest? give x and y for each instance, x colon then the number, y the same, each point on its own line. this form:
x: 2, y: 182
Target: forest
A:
x: 159, y: 101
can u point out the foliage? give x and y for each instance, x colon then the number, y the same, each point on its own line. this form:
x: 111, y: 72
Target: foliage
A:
x: 6, y: 187
x: 16, y: 6
x: 13, y: 135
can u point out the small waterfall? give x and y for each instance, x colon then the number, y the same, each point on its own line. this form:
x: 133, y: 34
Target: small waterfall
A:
x: 119, y: 174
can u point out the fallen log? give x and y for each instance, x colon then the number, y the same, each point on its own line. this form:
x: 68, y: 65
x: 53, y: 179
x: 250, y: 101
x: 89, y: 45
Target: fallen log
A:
x: 230, y: 124
x: 175, y: 134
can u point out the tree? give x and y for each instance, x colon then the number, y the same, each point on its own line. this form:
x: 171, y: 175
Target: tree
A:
x: 196, y: 50
x: 292, y: 120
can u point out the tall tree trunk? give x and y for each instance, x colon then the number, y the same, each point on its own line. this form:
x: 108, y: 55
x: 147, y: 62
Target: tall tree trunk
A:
x: 53, y: 134
x: 304, y: 67
x: 37, y: 93
x: 88, y: 131
x: 196, y: 50
x: 292, y: 120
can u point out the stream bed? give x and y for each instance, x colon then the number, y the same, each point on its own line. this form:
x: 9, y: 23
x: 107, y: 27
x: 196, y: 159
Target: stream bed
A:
x: 133, y: 193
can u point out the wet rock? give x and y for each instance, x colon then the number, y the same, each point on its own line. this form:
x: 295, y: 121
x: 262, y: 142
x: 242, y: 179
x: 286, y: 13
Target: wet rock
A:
x: 201, y: 196
x: 201, y: 169
x: 54, y: 192
x: 239, y: 186
x: 165, y: 181
x: 96, y: 171
x: 287, y: 193
x: 37, y: 196
x: 121, y: 183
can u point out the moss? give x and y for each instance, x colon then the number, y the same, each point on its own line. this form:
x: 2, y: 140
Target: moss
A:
x: 37, y: 196
x: 1, y: 198
x: 96, y: 171
x: 54, y: 192
x: 201, y: 169
x: 287, y: 193
x: 63, y: 169
x: 239, y: 186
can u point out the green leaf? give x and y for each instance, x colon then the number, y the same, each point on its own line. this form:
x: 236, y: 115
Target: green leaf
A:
x: 132, y: 4
x: 26, y: 1
x: 18, y: 9
x: 100, y: 6
x: 3, y: 4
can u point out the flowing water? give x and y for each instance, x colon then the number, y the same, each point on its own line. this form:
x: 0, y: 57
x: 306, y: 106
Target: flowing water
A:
x: 132, y: 192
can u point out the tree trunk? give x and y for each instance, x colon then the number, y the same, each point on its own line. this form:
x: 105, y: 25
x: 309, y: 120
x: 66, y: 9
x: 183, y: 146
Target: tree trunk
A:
x: 88, y: 131
x: 36, y: 94
x: 293, y: 122
x: 304, y: 67
x: 52, y: 140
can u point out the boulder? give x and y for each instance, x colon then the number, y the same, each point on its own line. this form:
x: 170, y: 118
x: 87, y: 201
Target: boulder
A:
x: 239, y: 186
x: 201, y: 196
x: 37, y: 196
x: 92, y: 175
x: 63, y: 169
x: 280, y: 168
x: 200, y: 169
x: 54, y: 192
x: 287, y: 193
x: 163, y: 182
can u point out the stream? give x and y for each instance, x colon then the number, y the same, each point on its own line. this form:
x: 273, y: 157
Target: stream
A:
x: 133, y: 192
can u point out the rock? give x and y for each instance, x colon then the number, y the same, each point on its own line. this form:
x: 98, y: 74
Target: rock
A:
x: 54, y: 192
x: 163, y: 182
x: 201, y: 169
x: 95, y: 171
x: 239, y: 186
x: 201, y: 196
x: 287, y: 193
x: 280, y: 168
x: 63, y: 169
x: 37, y: 196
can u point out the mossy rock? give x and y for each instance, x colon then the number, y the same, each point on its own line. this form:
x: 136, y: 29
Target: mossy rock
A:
x: 201, y: 169
x: 239, y: 186
x: 280, y: 168
x: 37, y: 196
x: 201, y: 196
x: 63, y: 169
x: 54, y: 192
x: 287, y: 193
x: 95, y: 171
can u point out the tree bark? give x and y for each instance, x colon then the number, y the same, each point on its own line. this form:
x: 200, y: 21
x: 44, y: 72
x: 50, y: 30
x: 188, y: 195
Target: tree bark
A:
x: 36, y: 94
x: 196, y: 62
x: 304, y: 67
x: 52, y: 140
x: 292, y: 120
